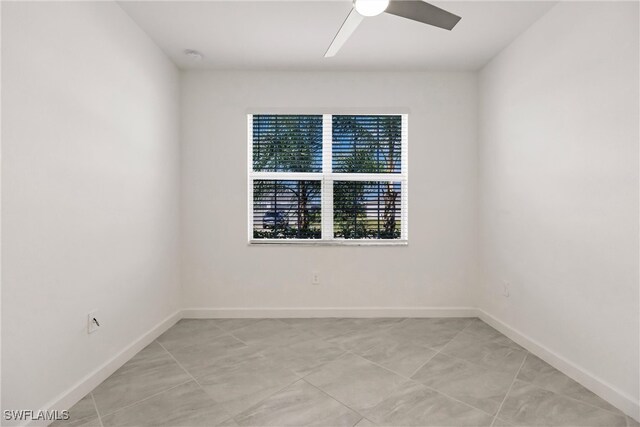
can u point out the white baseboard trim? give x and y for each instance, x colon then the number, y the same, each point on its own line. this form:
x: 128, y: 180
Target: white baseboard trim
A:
x: 72, y: 396
x: 600, y: 387
x: 222, y: 313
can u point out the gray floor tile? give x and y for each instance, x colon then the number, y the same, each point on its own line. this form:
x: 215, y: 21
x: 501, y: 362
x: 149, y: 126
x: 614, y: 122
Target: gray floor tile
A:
x: 190, y: 331
x: 231, y: 325
x: 365, y: 423
x: 149, y: 372
x: 354, y: 381
x: 429, y: 332
x: 415, y: 405
x: 300, y: 404
x: 487, y: 333
x: 458, y: 323
x: 232, y: 359
x: 239, y: 384
x: 323, y: 327
x: 251, y: 369
x: 497, y: 422
x: 540, y: 373
x: 529, y: 405
x: 197, y: 358
x: 359, y: 341
x: 88, y: 422
x: 259, y: 330
x: 489, y: 354
x: 80, y: 414
x: 377, y: 323
x: 304, y: 357
x: 399, y: 356
x: 184, y: 405
x: 271, y: 332
x: 473, y: 384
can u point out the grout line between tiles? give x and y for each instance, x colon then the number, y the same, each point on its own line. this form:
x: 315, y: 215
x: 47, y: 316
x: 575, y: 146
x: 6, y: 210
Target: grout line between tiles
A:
x: 620, y: 414
x: 184, y: 369
x: 196, y: 381
x: 453, y: 398
x: 233, y: 336
x: 230, y: 333
x: 365, y: 418
x: 442, y: 349
x: 324, y: 339
x: 180, y: 365
x: 233, y: 417
x: 469, y: 323
x: 515, y: 377
x: 146, y: 398
x: 298, y: 376
x: 560, y: 393
x: 438, y: 351
x: 95, y: 405
x: 424, y: 385
x: 489, y: 368
x: 493, y: 422
x: 334, y: 398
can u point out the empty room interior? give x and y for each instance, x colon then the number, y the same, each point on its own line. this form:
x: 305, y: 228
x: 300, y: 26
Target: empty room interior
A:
x: 329, y: 213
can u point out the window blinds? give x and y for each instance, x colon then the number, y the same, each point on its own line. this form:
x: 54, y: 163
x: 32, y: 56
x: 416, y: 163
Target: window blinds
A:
x: 328, y: 178
x: 287, y: 143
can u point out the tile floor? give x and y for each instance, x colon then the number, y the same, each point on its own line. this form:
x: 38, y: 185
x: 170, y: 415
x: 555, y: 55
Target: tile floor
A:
x: 339, y: 372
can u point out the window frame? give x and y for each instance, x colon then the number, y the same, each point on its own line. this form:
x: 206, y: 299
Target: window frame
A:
x: 327, y: 178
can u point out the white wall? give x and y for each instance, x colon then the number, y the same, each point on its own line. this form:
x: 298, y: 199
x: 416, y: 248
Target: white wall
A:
x: 89, y: 192
x: 437, y: 269
x: 559, y: 189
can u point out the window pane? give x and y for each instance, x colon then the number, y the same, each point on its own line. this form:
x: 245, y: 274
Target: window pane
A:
x: 366, y: 209
x: 286, y: 209
x: 367, y: 144
x: 287, y: 143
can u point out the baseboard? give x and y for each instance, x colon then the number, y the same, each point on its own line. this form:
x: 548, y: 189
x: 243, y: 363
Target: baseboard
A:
x: 221, y: 313
x: 600, y: 387
x: 72, y: 396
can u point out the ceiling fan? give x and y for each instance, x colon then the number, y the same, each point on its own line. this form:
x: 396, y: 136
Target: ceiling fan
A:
x: 416, y: 10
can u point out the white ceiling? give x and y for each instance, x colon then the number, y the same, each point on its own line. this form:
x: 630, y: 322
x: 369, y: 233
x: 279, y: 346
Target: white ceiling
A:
x: 293, y: 35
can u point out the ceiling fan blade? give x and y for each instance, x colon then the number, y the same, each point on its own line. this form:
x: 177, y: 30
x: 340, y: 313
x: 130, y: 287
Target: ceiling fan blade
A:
x: 420, y: 11
x: 348, y: 27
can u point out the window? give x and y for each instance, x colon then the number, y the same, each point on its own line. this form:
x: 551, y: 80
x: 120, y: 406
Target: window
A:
x: 328, y: 178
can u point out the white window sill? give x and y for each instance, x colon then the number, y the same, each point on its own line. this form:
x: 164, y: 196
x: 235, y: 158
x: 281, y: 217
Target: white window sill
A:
x: 336, y: 242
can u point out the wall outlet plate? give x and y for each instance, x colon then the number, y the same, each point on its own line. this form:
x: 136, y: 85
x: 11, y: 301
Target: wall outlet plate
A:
x: 315, y: 278
x: 93, y: 322
x: 506, y: 291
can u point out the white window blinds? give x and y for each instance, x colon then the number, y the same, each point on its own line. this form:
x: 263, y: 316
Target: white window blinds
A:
x: 328, y: 178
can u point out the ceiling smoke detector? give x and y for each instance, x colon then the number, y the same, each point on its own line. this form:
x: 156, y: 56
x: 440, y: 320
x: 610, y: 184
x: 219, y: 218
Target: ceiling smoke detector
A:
x: 193, y: 54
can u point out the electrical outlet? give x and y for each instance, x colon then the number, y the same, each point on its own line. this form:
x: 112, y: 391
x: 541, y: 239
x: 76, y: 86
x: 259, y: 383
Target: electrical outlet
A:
x: 93, y: 322
x: 506, y: 289
x: 315, y: 278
